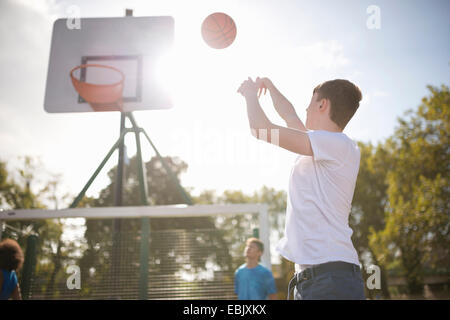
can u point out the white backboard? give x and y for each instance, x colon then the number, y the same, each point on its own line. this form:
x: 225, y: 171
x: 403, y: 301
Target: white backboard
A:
x: 134, y: 45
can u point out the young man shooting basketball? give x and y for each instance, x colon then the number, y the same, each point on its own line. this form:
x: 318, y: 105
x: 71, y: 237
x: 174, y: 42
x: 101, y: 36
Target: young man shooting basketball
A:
x: 321, y: 186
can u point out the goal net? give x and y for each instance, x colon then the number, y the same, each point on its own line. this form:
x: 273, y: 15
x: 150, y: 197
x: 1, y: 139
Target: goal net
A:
x: 148, y: 252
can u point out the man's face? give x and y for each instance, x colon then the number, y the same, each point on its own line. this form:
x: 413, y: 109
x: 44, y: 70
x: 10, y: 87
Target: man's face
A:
x: 312, y: 112
x: 252, y: 251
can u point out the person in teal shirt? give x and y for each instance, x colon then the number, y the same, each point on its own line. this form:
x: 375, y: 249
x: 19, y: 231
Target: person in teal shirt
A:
x: 11, y: 260
x: 252, y: 281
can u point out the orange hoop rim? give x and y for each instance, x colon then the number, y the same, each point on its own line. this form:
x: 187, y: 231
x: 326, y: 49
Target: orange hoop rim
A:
x: 84, y: 66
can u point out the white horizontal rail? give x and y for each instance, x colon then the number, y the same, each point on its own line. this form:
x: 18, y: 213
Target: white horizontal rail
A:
x: 132, y: 212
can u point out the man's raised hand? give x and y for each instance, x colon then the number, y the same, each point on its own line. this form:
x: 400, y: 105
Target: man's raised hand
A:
x: 248, y: 88
x: 263, y: 83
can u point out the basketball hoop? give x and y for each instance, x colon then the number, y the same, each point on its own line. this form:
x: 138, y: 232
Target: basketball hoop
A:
x: 101, y: 97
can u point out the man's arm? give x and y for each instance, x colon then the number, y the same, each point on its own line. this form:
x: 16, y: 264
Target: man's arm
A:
x: 271, y: 286
x: 290, y: 139
x: 16, y: 295
x: 236, y: 284
x: 282, y: 105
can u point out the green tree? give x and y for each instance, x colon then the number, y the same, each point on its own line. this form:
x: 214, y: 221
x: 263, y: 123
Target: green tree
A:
x: 416, y: 234
x: 16, y: 190
x: 368, y: 206
x: 20, y: 189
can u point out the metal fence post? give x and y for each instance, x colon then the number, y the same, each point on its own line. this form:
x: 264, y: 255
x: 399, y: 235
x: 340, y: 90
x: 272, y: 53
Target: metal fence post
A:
x: 28, y: 266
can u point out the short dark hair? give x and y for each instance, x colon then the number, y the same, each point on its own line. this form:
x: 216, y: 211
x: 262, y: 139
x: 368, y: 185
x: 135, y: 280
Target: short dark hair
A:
x: 256, y: 241
x: 344, y: 97
x: 11, y: 255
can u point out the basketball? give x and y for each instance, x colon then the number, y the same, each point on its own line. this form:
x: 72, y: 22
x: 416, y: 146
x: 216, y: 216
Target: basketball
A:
x: 218, y: 30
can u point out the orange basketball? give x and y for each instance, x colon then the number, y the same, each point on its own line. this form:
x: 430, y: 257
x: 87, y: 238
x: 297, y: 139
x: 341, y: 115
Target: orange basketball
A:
x: 218, y: 30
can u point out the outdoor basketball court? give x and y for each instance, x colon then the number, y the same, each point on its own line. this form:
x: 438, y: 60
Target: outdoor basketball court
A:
x: 141, y: 113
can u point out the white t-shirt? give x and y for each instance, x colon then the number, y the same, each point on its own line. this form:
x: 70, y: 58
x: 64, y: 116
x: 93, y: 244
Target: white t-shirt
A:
x: 319, y: 199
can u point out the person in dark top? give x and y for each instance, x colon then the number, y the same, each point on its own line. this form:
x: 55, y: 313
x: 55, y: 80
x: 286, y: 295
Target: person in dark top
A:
x: 11, y: 260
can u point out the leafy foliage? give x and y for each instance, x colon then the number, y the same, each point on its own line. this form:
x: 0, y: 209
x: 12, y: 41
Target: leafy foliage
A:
x: 417, y: 221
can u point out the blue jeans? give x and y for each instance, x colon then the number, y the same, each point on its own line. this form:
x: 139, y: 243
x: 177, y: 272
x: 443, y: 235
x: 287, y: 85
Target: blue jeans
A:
x: 331, y: 285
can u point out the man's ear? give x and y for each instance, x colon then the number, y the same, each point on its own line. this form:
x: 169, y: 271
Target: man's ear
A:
x: 324, y: 104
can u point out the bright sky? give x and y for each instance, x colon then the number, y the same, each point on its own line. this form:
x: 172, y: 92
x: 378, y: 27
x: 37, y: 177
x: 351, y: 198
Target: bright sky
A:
x: 297, y: 44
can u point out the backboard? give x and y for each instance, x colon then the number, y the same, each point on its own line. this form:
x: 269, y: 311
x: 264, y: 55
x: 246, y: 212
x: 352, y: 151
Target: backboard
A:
x: 133, y: 45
